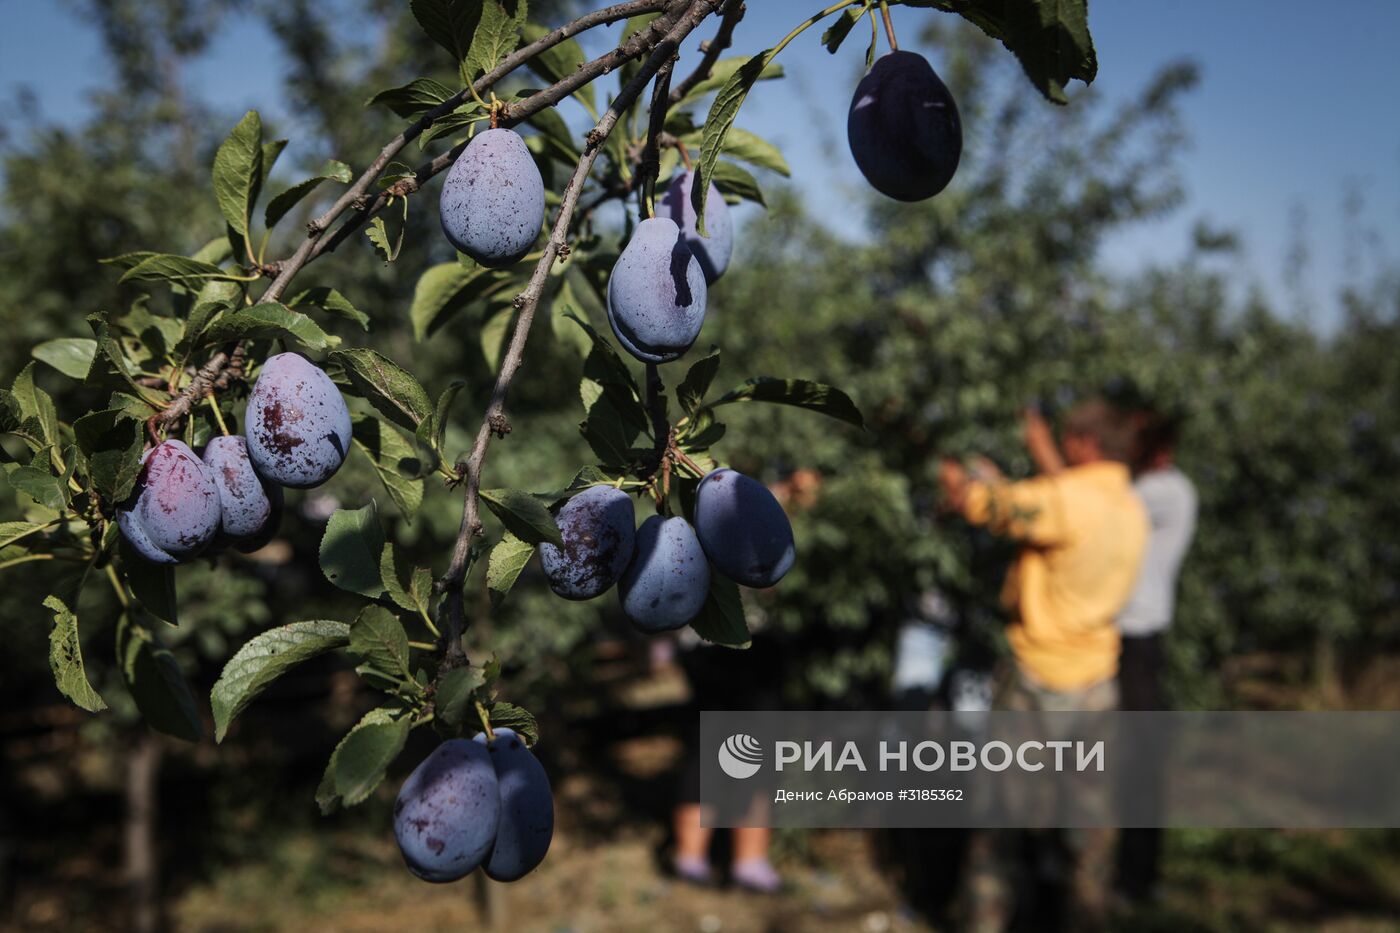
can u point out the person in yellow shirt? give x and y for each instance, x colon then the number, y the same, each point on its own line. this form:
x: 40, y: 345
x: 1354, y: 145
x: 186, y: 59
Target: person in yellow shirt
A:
x: 1083, y: 532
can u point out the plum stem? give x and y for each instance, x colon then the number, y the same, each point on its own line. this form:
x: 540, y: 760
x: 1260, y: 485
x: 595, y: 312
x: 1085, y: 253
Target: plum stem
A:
x: 218, y: 415
x: 889, y: 25
x: 485, y: 721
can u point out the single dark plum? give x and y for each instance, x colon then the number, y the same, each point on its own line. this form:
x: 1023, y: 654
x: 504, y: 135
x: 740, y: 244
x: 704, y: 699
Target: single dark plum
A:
x: 447, y: 812
x: 173, y: 513
x: 251, y: 507
x: 527, y: 808
x: 492, y: 203
x: 297, y: 422
x: 713, y: 251
x: 599, y: 528
x: 666, y: 584
x: 656, y: 293
x: 743, y: 529
x: 904, y: 128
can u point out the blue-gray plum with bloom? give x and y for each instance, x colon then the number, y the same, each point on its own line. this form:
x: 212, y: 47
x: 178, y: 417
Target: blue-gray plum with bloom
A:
x: 598, y: 528
x: 527, y: 808
x: 903, y: 128
x: 447, y: 812
x: 298, y: 427
x: 668, y: 580
x: 712, y: 251
x: 250, y: 507
x: 656, y: 293
x: 743, y: 529
x: 173, y: 512
x: 492, y: 203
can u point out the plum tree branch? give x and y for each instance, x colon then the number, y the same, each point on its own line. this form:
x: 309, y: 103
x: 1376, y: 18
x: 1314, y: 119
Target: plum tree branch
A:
x: 688, y: 16
x: 315, y: 243
x: 729, y: 18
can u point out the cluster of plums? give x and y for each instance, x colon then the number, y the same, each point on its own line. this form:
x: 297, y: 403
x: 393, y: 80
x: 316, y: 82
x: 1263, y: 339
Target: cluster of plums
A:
x: 662, y: 569
x: 475, y: 803
x: 298, y: 433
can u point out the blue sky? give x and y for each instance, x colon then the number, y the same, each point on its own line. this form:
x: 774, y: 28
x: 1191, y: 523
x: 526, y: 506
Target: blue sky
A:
x: 1295, y: 109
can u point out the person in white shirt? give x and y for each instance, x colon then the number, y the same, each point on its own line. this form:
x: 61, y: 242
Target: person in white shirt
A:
x: 1171, y: 504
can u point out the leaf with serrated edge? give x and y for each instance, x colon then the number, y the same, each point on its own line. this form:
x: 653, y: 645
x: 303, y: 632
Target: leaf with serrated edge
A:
x: 508, y: 558
x: 721, y: 619
x: 350, y: 551
x: 801, y: 393
x: 378, y: 639
x: 387, y: 386
x: 265, y: 658
x: 238, y: 171
x: 523, y: 514
x: 66, y: 658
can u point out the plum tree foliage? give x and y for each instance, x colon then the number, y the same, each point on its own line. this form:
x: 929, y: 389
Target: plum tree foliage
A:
x: 121, y: 493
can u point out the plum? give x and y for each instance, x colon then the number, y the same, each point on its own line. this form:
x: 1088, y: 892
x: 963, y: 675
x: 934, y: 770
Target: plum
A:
x: 666, y: 584
x: 251, y: 508
x: 446, y: 814
x: 492, y: 203
x: 903, y: 128
x: 298, y: 425
x: 713, y: 251
x: 656, y: 293
x: 599, y: 528
x: 743, y: 529
x: 527, y: 808
x: 173, y: 512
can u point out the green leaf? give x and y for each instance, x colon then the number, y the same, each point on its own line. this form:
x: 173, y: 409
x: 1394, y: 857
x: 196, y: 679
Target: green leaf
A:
x: 799, y: 392
x: 332, y: 302
x: 278, y: 207
x: 523, y: 514
x: 497, y: 34
x: 390, y: 388
x: 111, y: 445
x: 1050, y: 38
x: 730, y: 179
x: 453, y: 701
x: 215, y: 297
x: 153, y: 676
x: 417, y: 597
x: 508, y: 558
x: 152, y: 584
x: 358, y: 764
x: 556, y: 63
x: 378, y: 234
x: 721, y: 619
x: 417, y: 96
x: 66, y: 658
x: 238, y: 173
x: 71, y: 356
x: 450, y: 123
x: 496, y: 334
x: 449, y: 23
x: 723, y: 111
x: 265, y: 658
x: 446, y: 289
x: 442, y: 410
x: 378, y: 639
x: 10, y: 532
x: 750, y: 147
x: 38, y: 481
x: 34, y: 403
x: 350, y: 551
x: 691, y: 391
x: 394, y: 459
x: 268, y: 320
x: 177, y: 270
x: 837, y: 32
x: 509, y: 716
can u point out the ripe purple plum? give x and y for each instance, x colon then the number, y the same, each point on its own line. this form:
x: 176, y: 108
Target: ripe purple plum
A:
x: 298, y: 425
x: 527, y: 808
x: 656, y: 293
x: 903, y: 128
x: 173, y: 513
x: 712, y: 251
x: 492, y: 203
x: 447, y: 812
x: 668, y: 580
x: 599, y: 530
x: 743, y: 529
x: 251, y: 508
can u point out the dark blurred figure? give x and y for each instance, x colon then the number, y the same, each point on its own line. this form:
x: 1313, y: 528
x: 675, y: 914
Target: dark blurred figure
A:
x: 1171, y: 504
x: 1082, y: 533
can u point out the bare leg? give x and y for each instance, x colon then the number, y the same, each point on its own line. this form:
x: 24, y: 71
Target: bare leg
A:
x: 752, y: 869
x: 691, y: 860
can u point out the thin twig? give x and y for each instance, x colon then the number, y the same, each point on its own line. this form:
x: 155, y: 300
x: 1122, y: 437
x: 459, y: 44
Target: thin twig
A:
x: 733, y: 12
x: 450, y: 585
